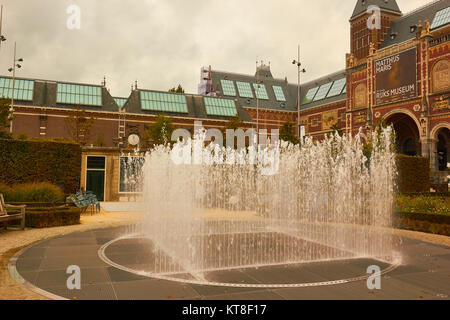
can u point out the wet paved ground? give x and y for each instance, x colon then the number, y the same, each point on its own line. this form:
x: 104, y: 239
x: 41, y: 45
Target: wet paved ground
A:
x: 425, y: 274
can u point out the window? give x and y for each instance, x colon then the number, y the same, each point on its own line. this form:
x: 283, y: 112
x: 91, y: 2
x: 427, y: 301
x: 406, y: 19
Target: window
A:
x: 131, y: 174
x: 337, y: 87
x: 23, y: 89
x: 245, y: 90
x: 95, y: 163
x: 442, y: 18
x: 260, y: 91
x: 220, y: 107
x: 160, y: 101
x: 279, y: 94
x: 323, y: 91
x: 310, y: 95
x: 79, y: 94
x: 120, y: 102
x: 228, y: 88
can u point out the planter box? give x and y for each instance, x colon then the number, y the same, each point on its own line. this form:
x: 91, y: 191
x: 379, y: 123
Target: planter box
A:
x: 429, y: 223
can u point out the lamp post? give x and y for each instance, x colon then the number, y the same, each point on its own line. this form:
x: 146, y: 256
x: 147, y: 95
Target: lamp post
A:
x: 13, y: 70
x: 300, y: 70
x: 2, y: 38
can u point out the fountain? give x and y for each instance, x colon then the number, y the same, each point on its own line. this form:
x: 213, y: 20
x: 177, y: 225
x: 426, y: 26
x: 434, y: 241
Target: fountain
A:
x: 324, y: 202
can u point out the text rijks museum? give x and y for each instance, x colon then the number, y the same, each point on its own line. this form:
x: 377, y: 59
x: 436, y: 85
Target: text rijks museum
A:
x: 399, y: 73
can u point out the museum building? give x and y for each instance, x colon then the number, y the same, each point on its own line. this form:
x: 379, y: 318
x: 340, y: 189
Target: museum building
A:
x: 398, y: 72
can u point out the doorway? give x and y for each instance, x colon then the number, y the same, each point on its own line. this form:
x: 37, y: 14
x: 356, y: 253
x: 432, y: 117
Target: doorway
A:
x: 95, y: 176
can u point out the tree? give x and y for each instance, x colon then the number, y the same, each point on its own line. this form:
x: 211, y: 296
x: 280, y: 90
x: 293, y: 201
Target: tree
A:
x: 287, y: 133
x: 79, y: 125
x: 337, y: 129
x: 177, y: 90
x: 380, y: 126
x: 160, y: 132
x: 233, y: 124
x: 5, y: 116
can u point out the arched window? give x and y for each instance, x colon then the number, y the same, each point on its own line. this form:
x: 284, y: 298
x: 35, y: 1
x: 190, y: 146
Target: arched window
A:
x: 441, y: 76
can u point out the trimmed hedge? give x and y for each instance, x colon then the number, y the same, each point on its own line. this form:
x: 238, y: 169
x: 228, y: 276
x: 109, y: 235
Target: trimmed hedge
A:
x: 46, y: 218
x: 413, y: 174
x: 40, y: 161
x: 429, y: 223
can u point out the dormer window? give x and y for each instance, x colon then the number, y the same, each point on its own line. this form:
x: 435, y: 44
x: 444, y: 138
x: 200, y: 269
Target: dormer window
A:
x: 394, y: 35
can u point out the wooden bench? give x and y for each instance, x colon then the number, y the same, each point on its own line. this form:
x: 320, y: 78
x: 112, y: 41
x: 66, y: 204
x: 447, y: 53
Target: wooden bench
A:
x: 5, y: 218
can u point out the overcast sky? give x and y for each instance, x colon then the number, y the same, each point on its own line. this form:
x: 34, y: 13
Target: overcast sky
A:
x: 161, y: 43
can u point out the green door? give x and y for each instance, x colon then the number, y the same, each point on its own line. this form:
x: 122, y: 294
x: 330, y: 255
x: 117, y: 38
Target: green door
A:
x: 95, y: 182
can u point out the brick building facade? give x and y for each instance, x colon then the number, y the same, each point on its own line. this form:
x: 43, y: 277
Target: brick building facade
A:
x: 398, y: 72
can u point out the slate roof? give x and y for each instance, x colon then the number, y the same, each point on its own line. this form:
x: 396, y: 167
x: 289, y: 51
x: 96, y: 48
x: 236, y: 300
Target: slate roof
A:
x: 401, y: 26
x: 290, y: 90
x: 45, y: 95
x: 362, y: 5
x: 317, y: 83
x: 195, y: 105
x: 265, y: 78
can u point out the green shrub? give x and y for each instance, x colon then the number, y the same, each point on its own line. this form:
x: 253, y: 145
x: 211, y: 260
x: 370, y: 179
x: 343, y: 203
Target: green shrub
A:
x: 423, y: 204
x: 32, y: 192
x: 413, y: 174
x: 4, y: 189
x: 57, y: 162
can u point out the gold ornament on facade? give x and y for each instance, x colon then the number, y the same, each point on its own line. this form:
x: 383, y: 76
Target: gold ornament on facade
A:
x: 441, y: 76
x: 372, y: 49
x: 360, y: 118
x: 424, y: 127
x: 350, y: 60
x: 441, y: 104
x: 425, y: 31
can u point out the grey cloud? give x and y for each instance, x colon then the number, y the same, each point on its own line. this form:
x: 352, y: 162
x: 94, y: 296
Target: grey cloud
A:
x: 162, y: 43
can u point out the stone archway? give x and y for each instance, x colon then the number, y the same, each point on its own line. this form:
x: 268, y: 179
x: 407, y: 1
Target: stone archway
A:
x: 407, y: 131
x: 441, y: 136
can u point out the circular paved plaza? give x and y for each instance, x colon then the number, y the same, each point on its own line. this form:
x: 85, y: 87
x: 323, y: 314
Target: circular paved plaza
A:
x: 116, y: 269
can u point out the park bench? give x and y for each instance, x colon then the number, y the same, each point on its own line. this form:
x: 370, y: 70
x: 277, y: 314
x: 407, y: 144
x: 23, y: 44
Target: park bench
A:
x: 5, y: 218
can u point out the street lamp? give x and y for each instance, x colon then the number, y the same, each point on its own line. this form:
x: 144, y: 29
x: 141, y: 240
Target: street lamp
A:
x: 13, y: 70
x: 300, y: 70
x: 2, y: 37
